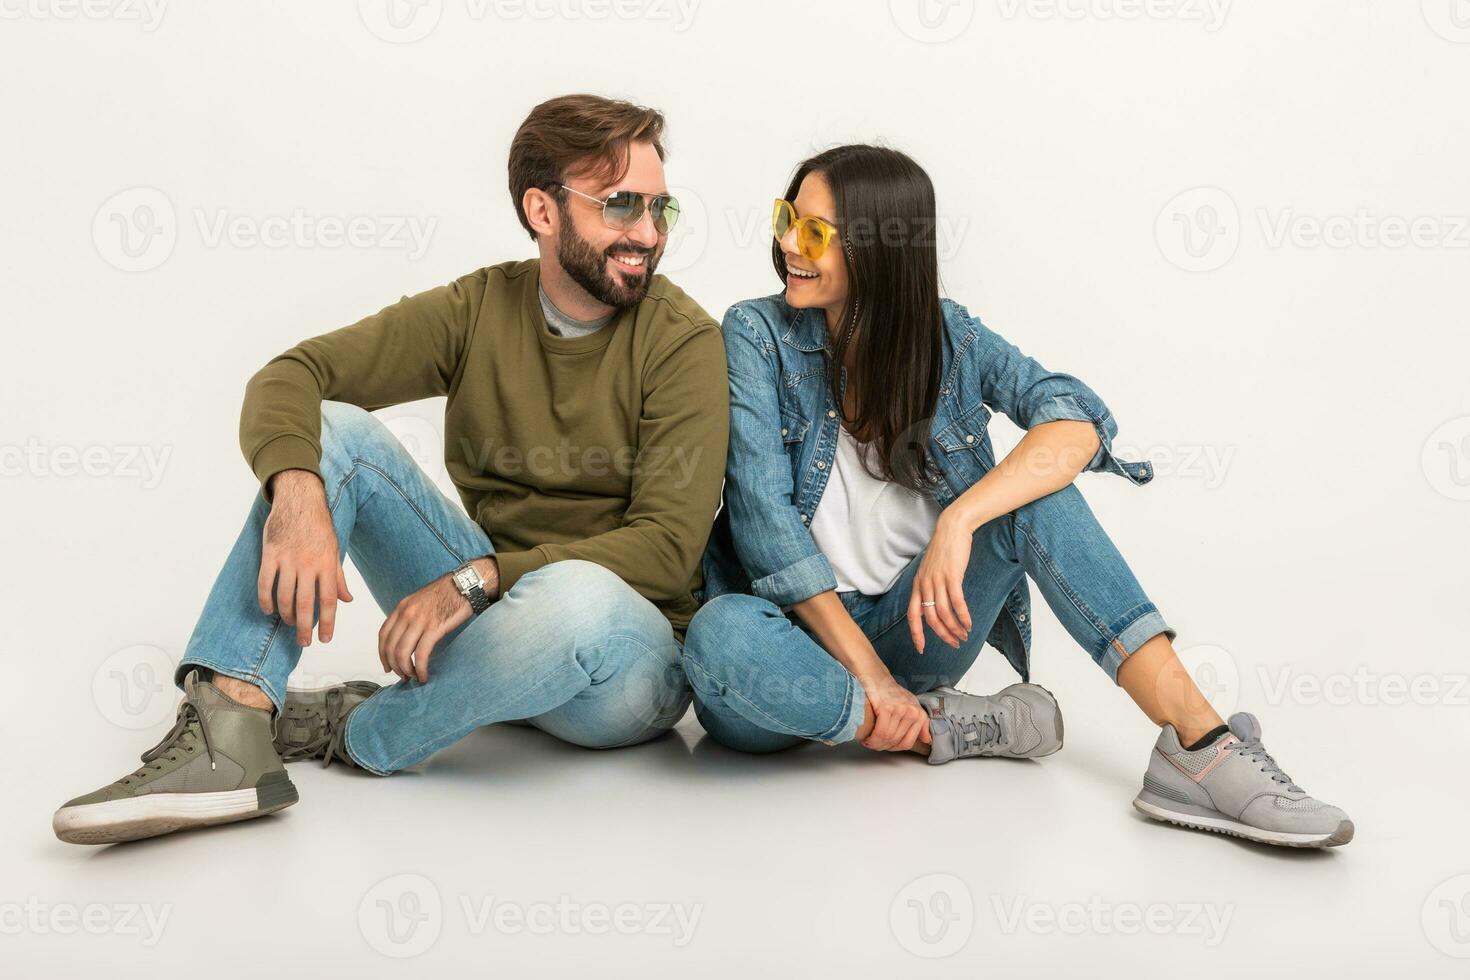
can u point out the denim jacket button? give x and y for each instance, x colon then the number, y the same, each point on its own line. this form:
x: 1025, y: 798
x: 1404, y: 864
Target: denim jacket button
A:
x: 970, y: 440
x: 821, y: 465
x: 803, y: 518
x: 1020, y: 617
x: 831, y: 414
x: 784, y: 431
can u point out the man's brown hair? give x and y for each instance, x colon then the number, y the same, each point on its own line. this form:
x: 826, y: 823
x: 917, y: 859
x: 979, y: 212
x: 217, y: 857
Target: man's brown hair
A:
x: 577, y: 136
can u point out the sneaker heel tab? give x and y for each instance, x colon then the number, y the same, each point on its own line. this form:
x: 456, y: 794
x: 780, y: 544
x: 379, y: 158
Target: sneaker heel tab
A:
x: 1168, y: 741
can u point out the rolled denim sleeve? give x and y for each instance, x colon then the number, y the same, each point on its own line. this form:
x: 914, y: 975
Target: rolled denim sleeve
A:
x: 1028, y: 394
x: 771, y: 541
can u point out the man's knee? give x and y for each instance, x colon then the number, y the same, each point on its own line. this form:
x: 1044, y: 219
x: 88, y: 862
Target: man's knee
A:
x: 349, y: 430
x: 583, y: 596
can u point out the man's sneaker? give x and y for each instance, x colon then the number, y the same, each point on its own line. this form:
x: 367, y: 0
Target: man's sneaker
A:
x: 314, y: 723
x: 1233, y: 786
x: 1022, y: 721
x: 215, y: 766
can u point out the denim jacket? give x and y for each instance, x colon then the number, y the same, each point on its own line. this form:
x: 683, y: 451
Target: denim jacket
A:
x: 783, y: 437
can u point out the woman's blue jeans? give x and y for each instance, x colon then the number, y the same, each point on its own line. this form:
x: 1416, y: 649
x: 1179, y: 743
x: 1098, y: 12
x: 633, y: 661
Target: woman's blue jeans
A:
x: 761, y: 681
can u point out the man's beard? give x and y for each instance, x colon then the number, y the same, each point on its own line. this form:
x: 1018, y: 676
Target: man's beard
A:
x: 588, y: 267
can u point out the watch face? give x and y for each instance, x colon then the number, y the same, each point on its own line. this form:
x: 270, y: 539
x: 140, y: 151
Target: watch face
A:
x: 466, y: 579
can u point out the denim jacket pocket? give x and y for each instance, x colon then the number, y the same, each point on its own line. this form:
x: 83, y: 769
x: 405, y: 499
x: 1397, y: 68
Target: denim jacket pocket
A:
x: 967, y: 439
x: 793, y: 426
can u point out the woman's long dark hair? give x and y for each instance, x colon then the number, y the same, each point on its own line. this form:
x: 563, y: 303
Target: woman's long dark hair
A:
x: 887, y: 231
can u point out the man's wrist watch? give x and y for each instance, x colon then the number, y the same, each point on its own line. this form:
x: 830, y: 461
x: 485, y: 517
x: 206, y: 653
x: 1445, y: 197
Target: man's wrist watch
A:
x: 471, y: 585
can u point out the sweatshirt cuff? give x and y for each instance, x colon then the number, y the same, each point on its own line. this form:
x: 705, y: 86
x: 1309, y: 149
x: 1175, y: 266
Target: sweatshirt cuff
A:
x: 286, y: 452
x: 514, y: 564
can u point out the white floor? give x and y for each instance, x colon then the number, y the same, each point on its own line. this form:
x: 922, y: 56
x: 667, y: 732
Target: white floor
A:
x: 511, y: 853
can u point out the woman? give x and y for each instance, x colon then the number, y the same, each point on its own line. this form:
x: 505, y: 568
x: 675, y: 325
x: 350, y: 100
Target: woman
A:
x: 870, y: 543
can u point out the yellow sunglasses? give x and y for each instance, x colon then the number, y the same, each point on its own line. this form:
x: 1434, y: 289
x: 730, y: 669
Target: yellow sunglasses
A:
x: 812, y: 234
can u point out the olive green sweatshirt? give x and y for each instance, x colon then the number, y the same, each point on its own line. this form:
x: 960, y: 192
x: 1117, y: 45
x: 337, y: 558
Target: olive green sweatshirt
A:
x: 608, y: 447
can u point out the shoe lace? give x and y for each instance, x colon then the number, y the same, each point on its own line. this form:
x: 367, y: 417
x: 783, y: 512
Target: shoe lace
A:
x: 168, y: 748
x: 328, y: 741
x: 1253, y: 750
x: 982, y: 731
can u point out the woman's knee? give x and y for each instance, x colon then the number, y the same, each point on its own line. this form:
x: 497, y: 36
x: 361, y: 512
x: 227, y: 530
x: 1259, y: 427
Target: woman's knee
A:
x: 722, y: 628
x: 740, y: 734
x: 1065, y: 506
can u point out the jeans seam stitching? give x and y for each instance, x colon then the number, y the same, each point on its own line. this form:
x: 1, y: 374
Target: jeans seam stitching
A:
x: 358, y: 461
x: 1065, y: 586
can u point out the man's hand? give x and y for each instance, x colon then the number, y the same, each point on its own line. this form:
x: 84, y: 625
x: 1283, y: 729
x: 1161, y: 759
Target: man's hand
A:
x: 299, y: 556
x: 425, y: 617
x: 899, y: 720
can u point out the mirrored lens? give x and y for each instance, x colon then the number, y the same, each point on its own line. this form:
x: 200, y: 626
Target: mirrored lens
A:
x: 622, y: 210
x: 665, y: 214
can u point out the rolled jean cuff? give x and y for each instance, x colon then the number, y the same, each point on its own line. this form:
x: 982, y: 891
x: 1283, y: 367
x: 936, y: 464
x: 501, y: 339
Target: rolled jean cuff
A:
x: 1147, y: 626
x: 278, y: 698
x: 852, y: 716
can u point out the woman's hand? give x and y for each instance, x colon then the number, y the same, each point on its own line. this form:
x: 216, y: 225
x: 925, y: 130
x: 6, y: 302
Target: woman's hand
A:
x: 939, y: 597
x: 899, y: 720
x: 419, y: 622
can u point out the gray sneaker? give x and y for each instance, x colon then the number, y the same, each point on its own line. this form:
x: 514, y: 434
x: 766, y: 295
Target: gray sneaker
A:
x: 314, y: 723
x: 215, y: 766
x: 1022, y: 721
x: 1233, y: 786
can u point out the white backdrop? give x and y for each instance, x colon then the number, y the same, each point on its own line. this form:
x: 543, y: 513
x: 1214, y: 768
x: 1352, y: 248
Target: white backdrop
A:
x: 1246, y: 224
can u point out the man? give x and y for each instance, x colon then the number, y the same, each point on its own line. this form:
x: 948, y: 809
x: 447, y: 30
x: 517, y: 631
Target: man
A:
x: 585, y: 429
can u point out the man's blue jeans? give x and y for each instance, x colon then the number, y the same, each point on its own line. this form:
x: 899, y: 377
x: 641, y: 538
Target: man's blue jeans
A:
x: 571, y: 648
x: 761, y: 681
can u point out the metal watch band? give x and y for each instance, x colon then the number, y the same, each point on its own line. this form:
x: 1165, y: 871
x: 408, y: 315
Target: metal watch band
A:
x: 479, y: 599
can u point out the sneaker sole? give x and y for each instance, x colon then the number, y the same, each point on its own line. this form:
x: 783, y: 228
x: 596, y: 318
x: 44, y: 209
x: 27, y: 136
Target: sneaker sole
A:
x: 1234, y: 828
x: 155, y: 814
